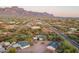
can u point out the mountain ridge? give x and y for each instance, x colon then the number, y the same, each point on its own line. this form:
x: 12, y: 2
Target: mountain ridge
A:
x: 16, y: 11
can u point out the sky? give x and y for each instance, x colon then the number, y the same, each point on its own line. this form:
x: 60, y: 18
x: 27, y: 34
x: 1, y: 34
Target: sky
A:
x: 65, y: 11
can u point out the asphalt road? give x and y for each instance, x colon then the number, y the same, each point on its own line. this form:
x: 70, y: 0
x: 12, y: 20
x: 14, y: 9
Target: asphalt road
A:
x: 65, y: 37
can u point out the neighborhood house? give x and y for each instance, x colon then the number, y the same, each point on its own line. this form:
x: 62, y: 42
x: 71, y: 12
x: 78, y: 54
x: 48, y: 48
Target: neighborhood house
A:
x: 21, y: 44
x: 35, y: 27
x: 40, y: 37
x: 53, y: 46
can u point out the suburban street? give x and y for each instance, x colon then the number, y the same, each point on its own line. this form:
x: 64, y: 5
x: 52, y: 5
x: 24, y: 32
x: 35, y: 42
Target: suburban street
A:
x: 65, y: 37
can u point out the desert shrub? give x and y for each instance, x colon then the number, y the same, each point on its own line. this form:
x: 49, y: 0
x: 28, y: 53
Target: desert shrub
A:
x: 66, y: 47
x: 12, y: 50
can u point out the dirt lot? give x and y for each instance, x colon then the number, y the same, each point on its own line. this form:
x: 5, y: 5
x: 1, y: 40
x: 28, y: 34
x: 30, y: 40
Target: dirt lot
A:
x: 38, y: 47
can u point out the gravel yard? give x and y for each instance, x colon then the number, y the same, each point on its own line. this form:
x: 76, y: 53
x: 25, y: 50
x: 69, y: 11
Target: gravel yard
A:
x: 38, y: 47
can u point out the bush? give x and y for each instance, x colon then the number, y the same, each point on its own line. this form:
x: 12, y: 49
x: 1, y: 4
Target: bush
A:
x: 8, y: 39
x: 12, y: 50
x: 21, y: 37
x: 74, y: 37
x: 12, y: 30
x: 67, y: 48
x: 53, y: 36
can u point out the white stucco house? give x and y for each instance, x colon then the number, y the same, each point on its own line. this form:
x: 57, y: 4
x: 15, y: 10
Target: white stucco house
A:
x: 6, y: 43
x: 71, y: 30
x: 39, y: 37
x: 35, y: 27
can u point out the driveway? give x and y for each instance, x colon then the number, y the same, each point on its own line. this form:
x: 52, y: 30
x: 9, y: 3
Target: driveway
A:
x: 38, y: 47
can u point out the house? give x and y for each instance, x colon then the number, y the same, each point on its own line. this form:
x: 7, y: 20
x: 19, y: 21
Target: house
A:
x: 16, y: 45
x: 2, y: 49
x: 53, y: 46
x: 71, y: 30
x: 10, y: 26
x: 40, y: 37
x: 12, y: 22
x: 21, y: 44
x: 35, y: 27
x: 6, y: 44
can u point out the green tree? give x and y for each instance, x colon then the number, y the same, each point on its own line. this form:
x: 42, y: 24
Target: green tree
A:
x: 67, y: 48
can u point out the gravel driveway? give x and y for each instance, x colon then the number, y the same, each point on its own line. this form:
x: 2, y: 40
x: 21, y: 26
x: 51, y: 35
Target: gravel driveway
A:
x: 39, y: 47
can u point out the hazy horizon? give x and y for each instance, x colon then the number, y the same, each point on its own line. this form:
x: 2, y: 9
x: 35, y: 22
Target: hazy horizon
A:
x: 61, y: 11
x: 65, y: 11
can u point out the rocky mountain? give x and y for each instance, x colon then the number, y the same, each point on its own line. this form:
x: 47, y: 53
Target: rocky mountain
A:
x: 16, y: 11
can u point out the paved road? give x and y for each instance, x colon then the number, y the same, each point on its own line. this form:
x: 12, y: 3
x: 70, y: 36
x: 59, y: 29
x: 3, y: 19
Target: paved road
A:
x: 62, y: 35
